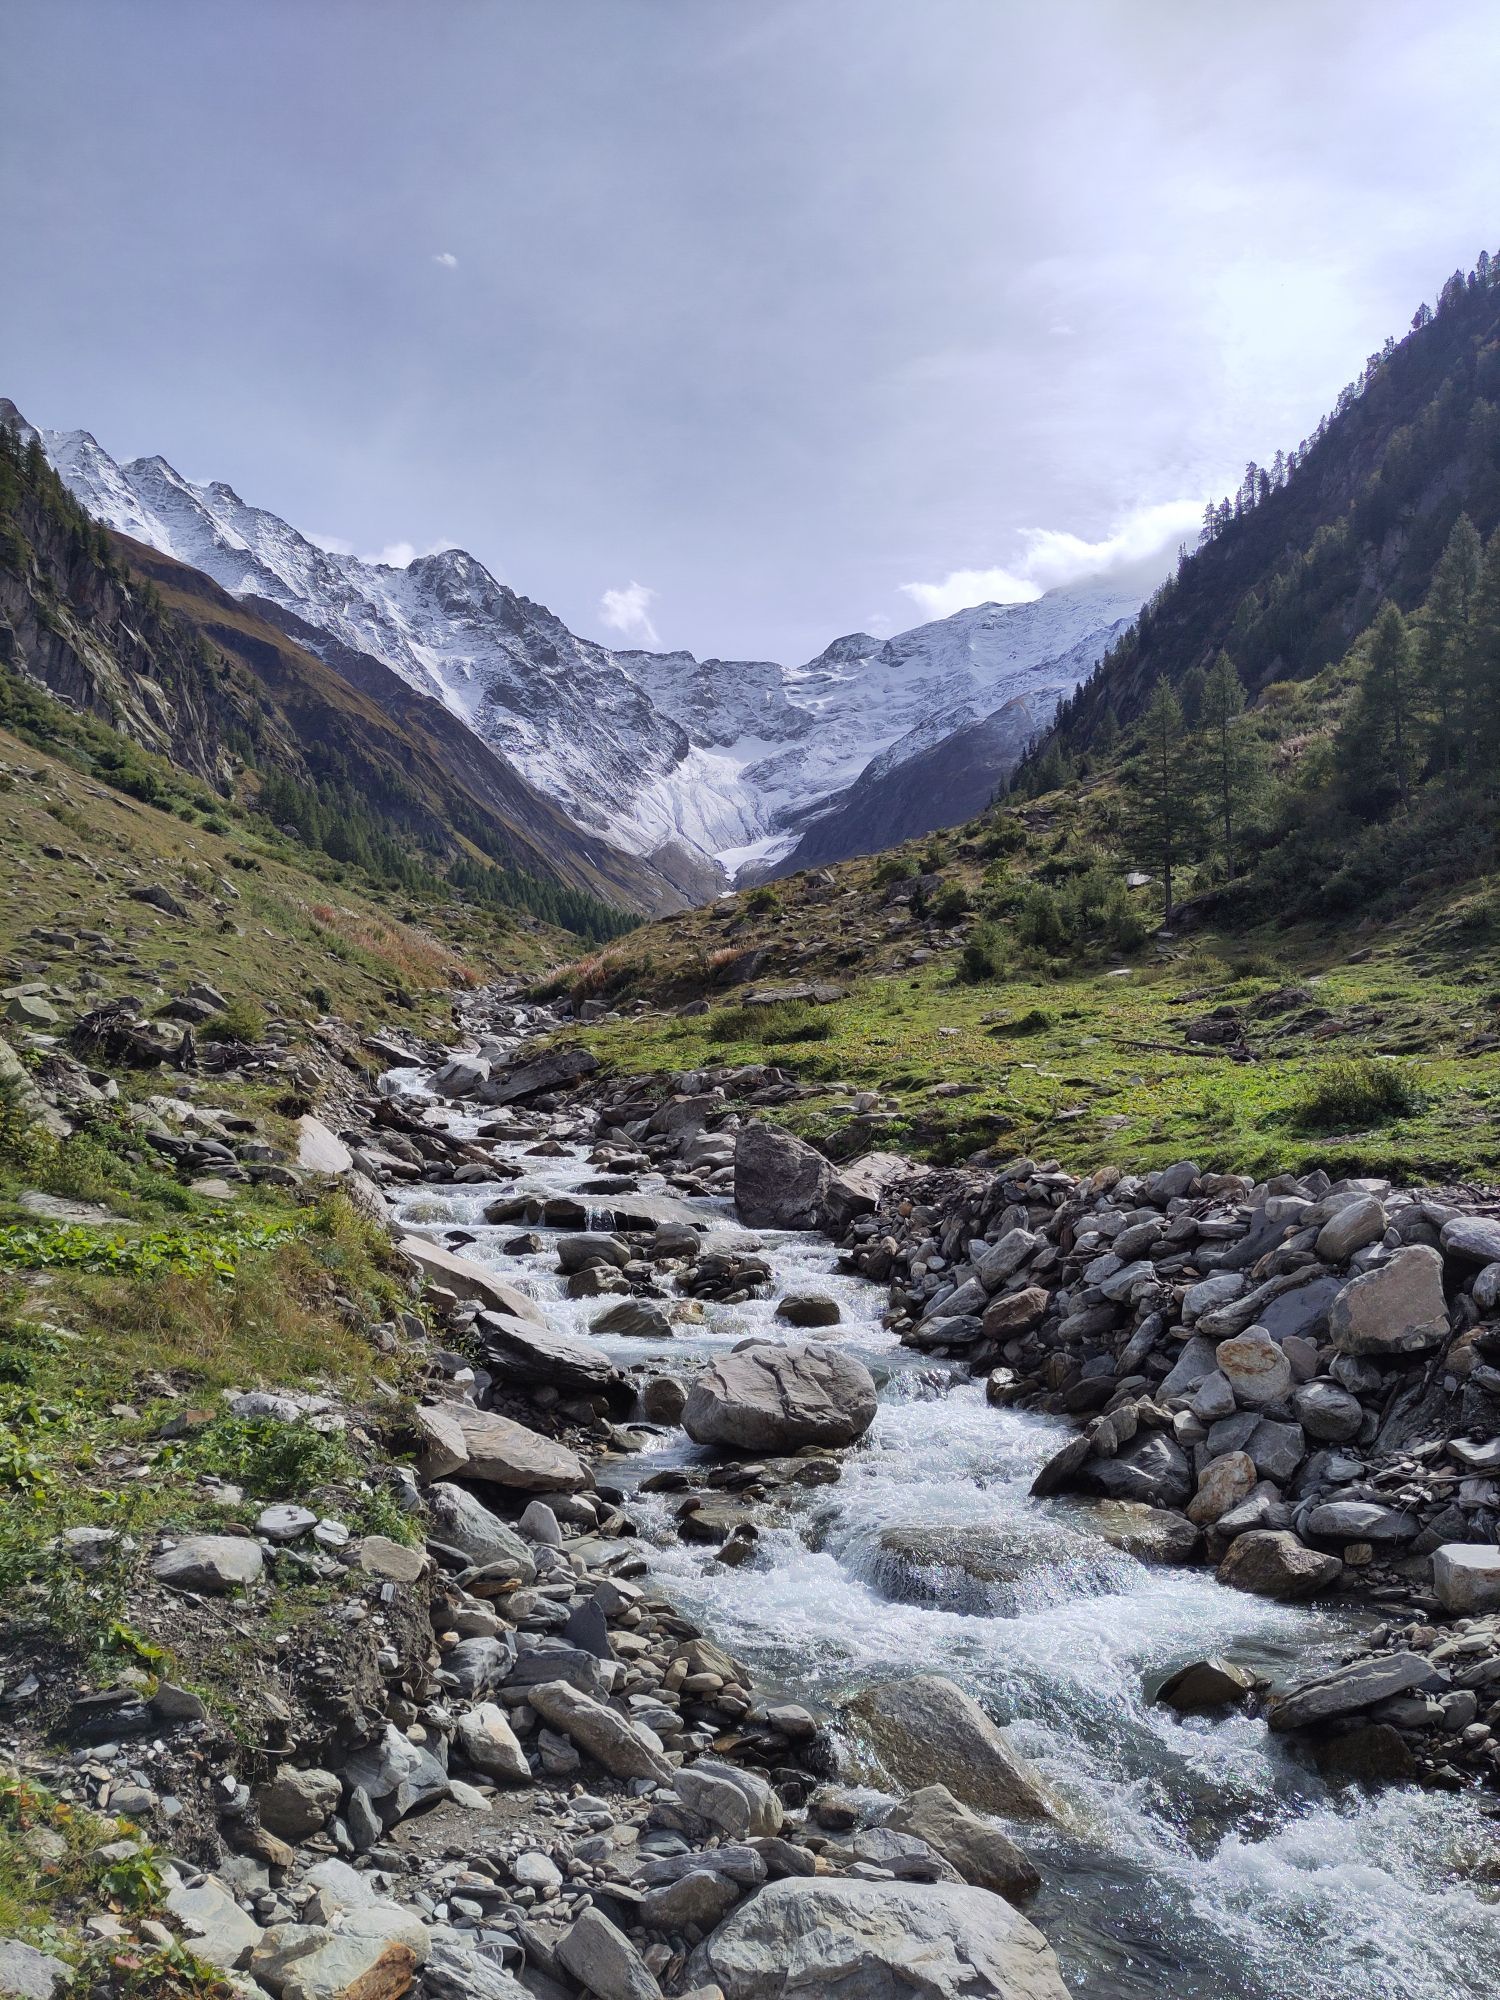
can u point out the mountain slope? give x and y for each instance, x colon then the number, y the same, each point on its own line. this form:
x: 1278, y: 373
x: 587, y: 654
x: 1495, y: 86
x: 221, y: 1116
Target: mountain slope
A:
x: 697, y: 766
x: 176, y: 665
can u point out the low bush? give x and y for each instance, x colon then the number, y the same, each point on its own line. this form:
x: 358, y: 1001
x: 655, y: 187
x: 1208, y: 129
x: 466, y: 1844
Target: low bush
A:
x: 1356, y: 1092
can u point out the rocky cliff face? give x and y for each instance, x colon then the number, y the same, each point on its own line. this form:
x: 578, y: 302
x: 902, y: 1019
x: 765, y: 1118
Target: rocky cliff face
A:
x: 700, y: 766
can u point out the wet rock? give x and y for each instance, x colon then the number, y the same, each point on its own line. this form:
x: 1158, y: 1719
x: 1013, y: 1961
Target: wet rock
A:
x: 1398, y: 1308
x: 663, y: 1399
x: 780, y: 1182
x: 1370, y: 1753
x: 1346, y: 1690
x: 1002, y: 1570
x: 637, y: 1319
x: 518, y: 1351
x: 1150, y: 1534
x: 1203, y: 1686
x: 766, y: 1398
x: 1151, y: 1468
x: 808, y: 1309
x: 975, y: 1848
x: 552, y: 1071
x: 1328, y: 1412
x: 926, y: 1730
x: 579, y: 1253
x: 800, y: 1939
x: 1273, y: 1563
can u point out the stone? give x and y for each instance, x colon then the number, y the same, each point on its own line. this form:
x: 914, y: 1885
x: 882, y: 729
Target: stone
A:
x: 766, y: 1398
x: 1276, y: 1449
x: 663, y: 1399
x: 856, y: 1189
x: 1213, y: 1399
x: 468, y: 1280
x: 1011, y: 1314
x: 1150, y: 1534
x: 1062, y: 1468
x: 634, y: 1319
x: 1363, y: 1684
x: 578, y: 1252
x: 1001, y: 1260
x: 29, y: 1974
x: 1369, y: 1753
x: 394, y: 1562
x: 294, y: 1804
x: 495, y: 1450
x: 926, y: 1730
x: 1361, y: 1521
x: 1271, y: 1562
x: 604, y: 1961
x: 319, y: 1151
x: 1327, y: 1412
x: 1222, y: 1484
x: 1259, y: 1373
x: 1205, y: 1685
x: 976, y: 1849
x: 212, y: 1564
x: 737, y: 1803
x: 373, y: 1955
x: 814, y: 1938
x: 1193, y: 1365
x: 621, y: 1746
x: 808, y: 1309
x: 396, y: 1775
x: 488, y: 1742
x: 1209, y: 1293
x: 1353, y: 1227
x: 285, y: 1522
x: 519, y: 1351
x: 1151, y: 1467
x: 461, y: 1522
x: 481, y: 1663
x: 780, y: 1182
x: 1466, y: 1577
x: 553, y: 1070
x: 1472, y: 1239
x: 217, y: 1930
x: 1397, y: 1308
x: 540, y: 1524
x: 701, y: 1898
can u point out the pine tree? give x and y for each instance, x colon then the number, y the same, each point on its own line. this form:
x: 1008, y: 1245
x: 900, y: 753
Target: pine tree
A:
x: 1479, y: 670
x: 1231, y: 762
x: 1376, y: 746
x: 1440, y: 639
x: 1160, y: 780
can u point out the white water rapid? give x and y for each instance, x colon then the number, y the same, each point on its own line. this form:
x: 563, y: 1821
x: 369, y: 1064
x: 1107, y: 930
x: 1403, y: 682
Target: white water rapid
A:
x: 1200, y: 1860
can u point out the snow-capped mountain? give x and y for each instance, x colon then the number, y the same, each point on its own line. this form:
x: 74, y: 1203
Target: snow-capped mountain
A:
x: 702, y: 761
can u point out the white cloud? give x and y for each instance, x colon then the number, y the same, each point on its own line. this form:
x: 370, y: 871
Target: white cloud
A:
x: 1142, y: 542
x: 333, y: 545
x: 447, y: 259
x: 628, y: 611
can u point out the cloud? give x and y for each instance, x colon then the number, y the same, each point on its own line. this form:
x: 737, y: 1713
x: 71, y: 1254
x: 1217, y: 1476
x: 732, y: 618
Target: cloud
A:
x: 1136, y: 550
x: 333, y: 545
x: 628, y: 611
x: 447, y: 259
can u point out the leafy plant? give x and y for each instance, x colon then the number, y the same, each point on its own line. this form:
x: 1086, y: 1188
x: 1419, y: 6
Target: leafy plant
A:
x: 1355, y: 1092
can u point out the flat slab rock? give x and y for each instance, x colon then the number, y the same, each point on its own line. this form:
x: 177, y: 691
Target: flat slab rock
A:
x: 210, y: 1563
x: 468, y: 1280
x: 483, y: 1445
x: 1349, y: 1689
x: 806, y: 1938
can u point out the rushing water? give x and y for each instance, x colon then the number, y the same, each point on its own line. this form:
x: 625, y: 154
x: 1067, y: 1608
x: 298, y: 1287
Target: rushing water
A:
x: 1196, y: 1858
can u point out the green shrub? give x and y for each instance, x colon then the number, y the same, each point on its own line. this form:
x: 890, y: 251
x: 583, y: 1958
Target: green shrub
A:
x: 1354, y: 1092
x: 270, y: 1459
x: 983, y: 956
x: 240, y: 1020
x: 763, y: 902
x: 951, y: 903
x: 1036, y: 1022
x: 894, y: 868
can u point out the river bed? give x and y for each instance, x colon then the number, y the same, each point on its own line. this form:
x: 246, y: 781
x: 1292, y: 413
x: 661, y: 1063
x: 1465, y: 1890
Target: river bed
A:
x: 1197, y: 1859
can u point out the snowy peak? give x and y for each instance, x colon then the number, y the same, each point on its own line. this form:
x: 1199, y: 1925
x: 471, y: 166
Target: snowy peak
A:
x: 719, y: 763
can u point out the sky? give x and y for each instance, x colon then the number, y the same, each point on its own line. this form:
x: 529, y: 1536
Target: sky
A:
x: 732, y: 325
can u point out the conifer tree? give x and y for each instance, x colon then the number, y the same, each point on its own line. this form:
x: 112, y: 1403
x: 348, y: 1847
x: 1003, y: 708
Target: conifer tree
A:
x: 1480, y: 667
x: 1376, y: 747
x: 1160, y: 780
x: 1231, y: 764
x: 1441, y: 640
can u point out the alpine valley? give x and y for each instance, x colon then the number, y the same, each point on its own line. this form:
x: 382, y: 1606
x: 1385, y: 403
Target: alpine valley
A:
x: 710, y: 771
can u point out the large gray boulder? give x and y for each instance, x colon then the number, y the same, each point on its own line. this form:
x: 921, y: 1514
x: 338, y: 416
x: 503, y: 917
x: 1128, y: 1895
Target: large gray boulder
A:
x: 604, y: 1961
x: 1466, y: 1577
x: 210, y: 1563
x: 780, y: 1182
x: 1346, y: 1690
x: 927, y: 1731
x: 483, y: 1445
x: 811, y: 1938
x: 856, y: 1189
x: 975, y: 1847
x: 625, y: 1749
x: 461, y: 1522
x: 468, y: 1280
x: 519, y: 1351
x: 1398, y: 1308
x: 769, y: 1398
x: 1271, y: 1562
x: 1152, y: 1467
x: 295, y: 1804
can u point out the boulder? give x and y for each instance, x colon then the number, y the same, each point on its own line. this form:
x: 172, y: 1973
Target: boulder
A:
x: 214, y: 1926
x: 1466, y: 1577
x: 1004, y: 1570
x: 488, y: 1742
x: 1361, y: 1521
x: 663, y: 1399
x: 396, y: 1775
x: 29, y: 1974
x: 1271, y: 1562
x: 736, y: 1803
x: 1150, y: 1534
x: 1398, y: 1308
x: 1205, y: 1685
x: 1353, y: 1227
x: 766, y: 1398
x: 483, y: 1445
x: 461, y: 1522
x: 1472, y: 1239
x: 212, y: 1564
x: 1363, y: 1684
x: 1002, y: 1260
x: 1152, y: 1467
x: 1327, y: 1412
x: 976, y: 1849
x: 856, y: 1189
x: 373, y: 1955
x: 926, y: 1731
x: 811, y: 1938
x: 1011, y: 1314
x: 319, y: 1150
x: 468, y: 1280
x: 1256, y: 1368
x: 808, y: 1309
x: 295, y: 1804
x: 588, y: 1247
x: 604, y: 1961
x: 520, y: 1351
x: 702, y: 1897
x: 552, y: 1071
x: 622, y: 1747
x: 1222, y: 1484
x: 634, y: 1319
x: 780, y: 1182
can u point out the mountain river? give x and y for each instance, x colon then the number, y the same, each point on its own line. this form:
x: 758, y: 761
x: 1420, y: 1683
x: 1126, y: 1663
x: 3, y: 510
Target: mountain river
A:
x: 1198, y: 1860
